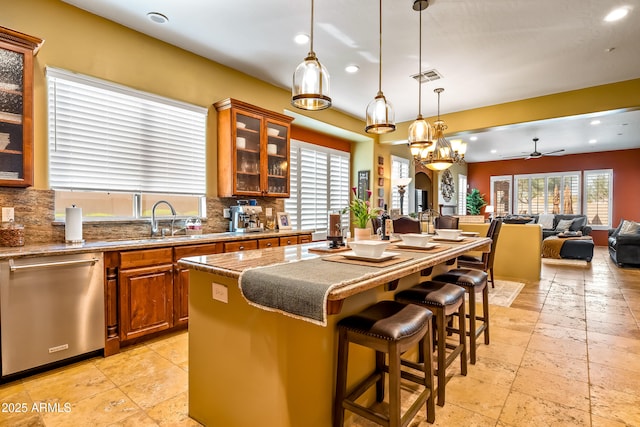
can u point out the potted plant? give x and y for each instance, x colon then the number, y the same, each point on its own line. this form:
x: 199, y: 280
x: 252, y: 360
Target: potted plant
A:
x: 475, y: 202
x: 362, y: 212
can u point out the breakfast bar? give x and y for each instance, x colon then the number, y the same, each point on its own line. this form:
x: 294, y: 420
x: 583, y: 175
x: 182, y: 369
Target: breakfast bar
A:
x: 256, y: 360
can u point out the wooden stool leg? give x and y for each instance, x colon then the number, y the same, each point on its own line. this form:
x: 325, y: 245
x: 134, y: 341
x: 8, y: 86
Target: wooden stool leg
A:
x: 380, y: 356
x: 463, y: 340
x: 394, y: 386
x: 485, y: 313
x: 427, y: 349
x: 442, y: 354
x: 341, y: 378
x: 472, y: 325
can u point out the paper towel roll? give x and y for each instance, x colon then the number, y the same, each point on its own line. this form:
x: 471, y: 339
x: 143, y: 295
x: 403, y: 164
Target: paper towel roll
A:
x: 73, y: 224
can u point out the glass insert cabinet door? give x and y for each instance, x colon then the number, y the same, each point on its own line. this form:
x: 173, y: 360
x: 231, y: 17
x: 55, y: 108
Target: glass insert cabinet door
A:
x: 248, y: 153
x: 16, y: 107
x: 277, y: 159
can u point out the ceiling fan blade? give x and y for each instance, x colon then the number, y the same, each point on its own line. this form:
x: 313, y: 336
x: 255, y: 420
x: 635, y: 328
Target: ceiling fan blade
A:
x: 553, y: 152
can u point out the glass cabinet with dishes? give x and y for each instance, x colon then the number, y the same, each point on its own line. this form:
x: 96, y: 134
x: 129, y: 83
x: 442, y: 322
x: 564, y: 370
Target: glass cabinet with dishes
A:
x: 253, y: 150
x: 16, y: 107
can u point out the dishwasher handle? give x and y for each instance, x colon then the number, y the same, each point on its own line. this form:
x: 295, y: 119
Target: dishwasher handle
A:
x: 14, y: 267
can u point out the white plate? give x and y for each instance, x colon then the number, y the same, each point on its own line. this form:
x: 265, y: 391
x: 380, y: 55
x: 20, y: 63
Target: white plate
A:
x: 444, y: 239
x: 427, y: 246
x: 470, y: 233
x: 384, y: 257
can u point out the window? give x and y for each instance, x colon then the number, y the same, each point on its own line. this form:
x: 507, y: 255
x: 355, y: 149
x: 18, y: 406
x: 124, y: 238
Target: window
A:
x: 598, y: 197
x: 399, y: 169
x: 462, y: 194
x: 547, y: 193
x: 124, y: 148
x: 319, y: 184
x: 501, y: 195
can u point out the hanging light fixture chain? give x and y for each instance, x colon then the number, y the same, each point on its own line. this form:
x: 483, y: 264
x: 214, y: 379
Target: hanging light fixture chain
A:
x: 311, y: 41
x: 380, y: 48
x: 420, y: 67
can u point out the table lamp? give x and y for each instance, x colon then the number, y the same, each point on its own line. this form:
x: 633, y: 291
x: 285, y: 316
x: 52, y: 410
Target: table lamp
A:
x: 489, y: 209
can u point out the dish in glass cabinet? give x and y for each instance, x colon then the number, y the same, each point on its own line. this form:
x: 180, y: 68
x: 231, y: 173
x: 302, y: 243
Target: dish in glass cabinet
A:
x: 273, y: 132
x: 241, y: 125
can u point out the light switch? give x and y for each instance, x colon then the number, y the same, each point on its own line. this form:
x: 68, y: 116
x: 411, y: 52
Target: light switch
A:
x: 7, y: 214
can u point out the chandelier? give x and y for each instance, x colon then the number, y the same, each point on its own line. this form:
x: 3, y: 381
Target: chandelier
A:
x: 442, y: 153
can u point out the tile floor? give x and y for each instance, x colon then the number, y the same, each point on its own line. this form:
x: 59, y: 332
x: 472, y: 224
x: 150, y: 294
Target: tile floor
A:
x: 566, y: 353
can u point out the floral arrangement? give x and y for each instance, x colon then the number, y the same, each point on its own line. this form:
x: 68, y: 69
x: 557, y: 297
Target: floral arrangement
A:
x: 361, y: 209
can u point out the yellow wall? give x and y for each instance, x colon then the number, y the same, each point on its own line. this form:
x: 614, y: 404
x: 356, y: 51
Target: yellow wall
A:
x: 79, y: 41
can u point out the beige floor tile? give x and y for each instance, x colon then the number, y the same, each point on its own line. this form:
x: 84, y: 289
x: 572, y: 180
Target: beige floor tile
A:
x: 17, y: 407
x: 173, y: 412
x: 543, y: 385
x: 137, y: 419
x: 628, y: 345
x: 523, y: 410
x: 598, y: 421
x: 549, y: 363
x: 615, y: 405
x: 508, y: 336
x: 615, y: 378
x: 485, y: 398
x: 69, y: 386
x: 562, y: 320
x: 26, y: 419
x: 454, y: 415
x: 163, y: 384
x: 102, y: 409
x: 511, y: 354
x: 175, y: 348
x: 558, y: 346
x: 129, y: 365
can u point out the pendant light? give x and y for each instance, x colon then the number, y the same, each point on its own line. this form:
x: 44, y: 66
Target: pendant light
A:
x: 380, y: 115
x: 440, y: 158
x: 420, y: 131
x: 310, y: 89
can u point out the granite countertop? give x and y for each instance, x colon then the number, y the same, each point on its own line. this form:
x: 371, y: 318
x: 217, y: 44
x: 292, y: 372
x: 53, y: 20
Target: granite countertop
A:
x: 145, y: 243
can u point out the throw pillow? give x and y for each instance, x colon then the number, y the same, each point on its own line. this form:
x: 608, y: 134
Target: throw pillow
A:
x: 630, y: 227
x: 618, y: 228
x: 564, y: 224
x: 578, y: 223
x: 546, y: 220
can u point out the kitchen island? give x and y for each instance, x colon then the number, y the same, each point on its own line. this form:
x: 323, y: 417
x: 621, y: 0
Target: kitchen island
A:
x: 253, y: 365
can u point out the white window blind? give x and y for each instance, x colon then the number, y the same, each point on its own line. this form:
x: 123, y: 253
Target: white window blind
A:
x: 399, y: 169
x: 319, y: 183
x: 462, y: 194
x: 598, y: 197
x: 547, y: 193
x: 108, y: 137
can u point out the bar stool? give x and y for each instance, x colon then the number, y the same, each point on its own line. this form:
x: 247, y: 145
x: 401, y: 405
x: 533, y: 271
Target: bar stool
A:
x: 444, y: 299
x: 473, y: 281
x: 386, y: 327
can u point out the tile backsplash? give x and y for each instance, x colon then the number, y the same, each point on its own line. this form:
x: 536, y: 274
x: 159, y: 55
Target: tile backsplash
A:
x: 35, y: 210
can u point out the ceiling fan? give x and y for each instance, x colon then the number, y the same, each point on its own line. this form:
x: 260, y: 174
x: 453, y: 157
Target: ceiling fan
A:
x: 536, y: 154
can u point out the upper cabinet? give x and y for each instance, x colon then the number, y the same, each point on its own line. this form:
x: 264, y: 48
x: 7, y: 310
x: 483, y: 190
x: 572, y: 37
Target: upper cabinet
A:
x: 253, y: 150
x: 16, y: 107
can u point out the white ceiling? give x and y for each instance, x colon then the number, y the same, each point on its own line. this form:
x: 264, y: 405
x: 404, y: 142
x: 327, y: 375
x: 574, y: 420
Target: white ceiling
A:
x: 488, y: 52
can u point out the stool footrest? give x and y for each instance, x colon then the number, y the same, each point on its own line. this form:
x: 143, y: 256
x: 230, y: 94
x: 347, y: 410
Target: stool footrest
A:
x: 363, y: 386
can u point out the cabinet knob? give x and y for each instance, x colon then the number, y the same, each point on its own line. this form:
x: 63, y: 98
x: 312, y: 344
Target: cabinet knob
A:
x: 268, y: 244
x: 241, y: 248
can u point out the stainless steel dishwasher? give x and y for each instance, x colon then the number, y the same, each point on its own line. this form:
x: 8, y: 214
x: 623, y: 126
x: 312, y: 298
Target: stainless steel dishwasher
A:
x: 51, y: 308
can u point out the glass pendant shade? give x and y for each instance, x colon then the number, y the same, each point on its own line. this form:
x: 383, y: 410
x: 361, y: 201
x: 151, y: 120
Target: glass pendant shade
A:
x: 380, y: 116
x: 311, y: 85
x: 440, y: 157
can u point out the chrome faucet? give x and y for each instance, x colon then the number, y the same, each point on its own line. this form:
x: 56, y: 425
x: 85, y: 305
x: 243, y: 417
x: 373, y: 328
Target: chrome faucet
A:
x: 154, y: 222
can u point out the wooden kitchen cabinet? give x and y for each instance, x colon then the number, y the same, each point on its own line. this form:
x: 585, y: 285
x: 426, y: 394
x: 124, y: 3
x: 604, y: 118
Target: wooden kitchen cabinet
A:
x: 146, y: 299
x: 290, y: 240
x: 268, y: 243
x: 242, y: 245
x: 16, y: 107
x: 181, y: 278
x: 253, y: 150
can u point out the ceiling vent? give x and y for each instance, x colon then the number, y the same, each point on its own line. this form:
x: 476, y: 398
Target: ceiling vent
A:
x: 427, y: 76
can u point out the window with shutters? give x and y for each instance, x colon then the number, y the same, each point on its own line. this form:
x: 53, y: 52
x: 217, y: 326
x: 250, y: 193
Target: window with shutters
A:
x: 598, y: 198
x: 399, y: 169
x: 553, y: 193
x: 462, y: 194
x: 319, y: 183
x: 115, y: 151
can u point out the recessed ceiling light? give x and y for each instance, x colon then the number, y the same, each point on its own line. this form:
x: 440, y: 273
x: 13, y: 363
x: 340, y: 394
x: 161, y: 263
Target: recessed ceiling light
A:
x: 593, y: 141
x: 301, y: 38
x: 351, y: 69
x: 595, y: 122
x: 616, y: 14
x: 158, y: 18
x: 474, y: 138
x: 494, y: 151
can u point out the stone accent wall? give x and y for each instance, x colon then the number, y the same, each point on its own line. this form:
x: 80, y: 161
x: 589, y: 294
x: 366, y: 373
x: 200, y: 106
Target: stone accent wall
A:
x: 35, y: 210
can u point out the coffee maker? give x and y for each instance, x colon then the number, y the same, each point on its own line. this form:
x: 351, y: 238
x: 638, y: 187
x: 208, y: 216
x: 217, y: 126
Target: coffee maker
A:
x: 245, y: 218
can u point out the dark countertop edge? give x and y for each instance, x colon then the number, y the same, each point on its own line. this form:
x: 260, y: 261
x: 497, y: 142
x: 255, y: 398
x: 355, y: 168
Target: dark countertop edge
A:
x: 117, y: 245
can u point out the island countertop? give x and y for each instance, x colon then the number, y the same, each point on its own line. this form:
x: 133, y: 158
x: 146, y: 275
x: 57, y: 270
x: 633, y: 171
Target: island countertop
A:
x: 233, y: 264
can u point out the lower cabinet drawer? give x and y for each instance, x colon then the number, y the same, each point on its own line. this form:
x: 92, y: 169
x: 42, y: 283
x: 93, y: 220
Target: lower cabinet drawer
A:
x: 291, y: 240
x: 243, y: 245
x: 268, y: 243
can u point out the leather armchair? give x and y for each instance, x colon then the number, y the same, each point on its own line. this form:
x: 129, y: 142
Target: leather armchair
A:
x: 624, y: 248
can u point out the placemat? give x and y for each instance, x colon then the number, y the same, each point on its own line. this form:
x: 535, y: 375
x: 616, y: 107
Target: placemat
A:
x: 465, y: 240
x: 342, y: 259
x: 327, y: 250
x: 432, y: 250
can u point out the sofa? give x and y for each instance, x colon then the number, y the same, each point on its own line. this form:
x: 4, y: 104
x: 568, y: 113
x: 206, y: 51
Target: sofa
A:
x: 624, y: 243
x: 577, y: 223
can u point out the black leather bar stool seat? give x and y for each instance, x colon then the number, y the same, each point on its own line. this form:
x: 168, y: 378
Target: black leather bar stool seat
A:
x: 388, y: 327
x: 473, y: 281
x: 445, y: 300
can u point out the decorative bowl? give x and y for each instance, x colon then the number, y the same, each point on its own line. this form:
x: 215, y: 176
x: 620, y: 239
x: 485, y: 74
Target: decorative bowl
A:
x: 272, y: 132
x: 241, y: 125
x: 448, y: 233
x: 415, y: 239
x: 369, y: 248
x: 241, y: 142
x: 272, y: 149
